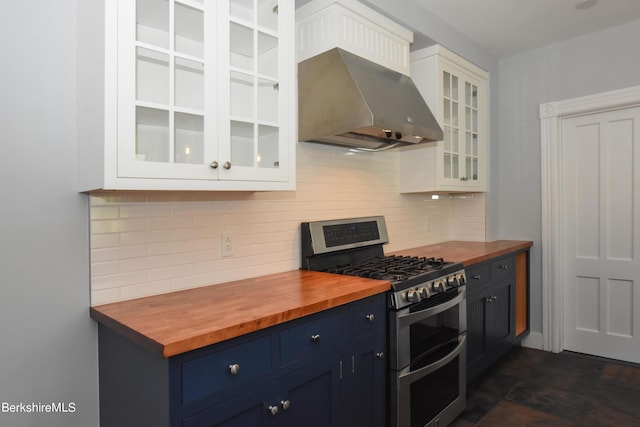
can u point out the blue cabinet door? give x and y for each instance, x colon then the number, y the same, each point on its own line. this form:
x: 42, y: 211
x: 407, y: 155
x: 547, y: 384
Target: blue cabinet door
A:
x: 309, y: 397
x: 476, y: 315
x: 247, y: 410
x: 364, y: 391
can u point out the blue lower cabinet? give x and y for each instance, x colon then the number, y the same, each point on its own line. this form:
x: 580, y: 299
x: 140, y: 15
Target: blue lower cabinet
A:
x: 321, y: 370
x: 309, y: 397
x: 364, y: 397
x: 491, y: 312
x: 242, y: 411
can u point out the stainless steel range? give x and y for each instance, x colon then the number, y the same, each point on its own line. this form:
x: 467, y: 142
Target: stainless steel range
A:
x: 427, y: 315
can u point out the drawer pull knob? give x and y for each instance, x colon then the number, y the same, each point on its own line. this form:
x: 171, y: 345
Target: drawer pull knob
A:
x: 285, y: 404
x: 476, y: 277
x: 273, y: 410
x: 234, y: 369
x: 315, y: 338
x: 370, y: 317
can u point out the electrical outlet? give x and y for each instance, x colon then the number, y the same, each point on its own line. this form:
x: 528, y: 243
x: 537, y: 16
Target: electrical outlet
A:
x: 227, y: 244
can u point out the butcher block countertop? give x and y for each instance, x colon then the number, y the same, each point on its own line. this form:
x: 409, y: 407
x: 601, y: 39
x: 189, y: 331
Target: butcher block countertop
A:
x: 467, y: 253
x: 177, y: 322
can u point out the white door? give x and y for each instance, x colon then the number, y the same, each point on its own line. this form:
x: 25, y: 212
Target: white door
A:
x: 601, y: 214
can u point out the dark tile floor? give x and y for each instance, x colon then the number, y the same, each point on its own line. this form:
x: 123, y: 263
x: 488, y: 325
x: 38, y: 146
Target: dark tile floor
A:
x: 534, y: 388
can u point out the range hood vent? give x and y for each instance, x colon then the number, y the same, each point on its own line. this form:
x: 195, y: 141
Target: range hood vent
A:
x: 347, y: 100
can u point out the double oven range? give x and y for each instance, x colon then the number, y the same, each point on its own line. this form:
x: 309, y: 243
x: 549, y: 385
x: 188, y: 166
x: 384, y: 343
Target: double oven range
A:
x: 427, y: 315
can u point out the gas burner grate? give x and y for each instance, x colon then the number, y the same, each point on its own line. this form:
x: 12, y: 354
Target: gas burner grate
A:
x: 394, y: 268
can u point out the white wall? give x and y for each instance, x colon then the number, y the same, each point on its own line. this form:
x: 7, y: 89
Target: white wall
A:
x: 48, y: 348
x: 145, y: 243
x: 595, y: 63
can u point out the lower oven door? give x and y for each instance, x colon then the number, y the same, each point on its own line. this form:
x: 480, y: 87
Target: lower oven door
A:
x: 421, y: 329
x: 432, y: 395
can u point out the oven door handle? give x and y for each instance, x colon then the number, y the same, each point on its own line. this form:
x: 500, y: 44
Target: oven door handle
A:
x: 407, y: 375
x: 405, y: 320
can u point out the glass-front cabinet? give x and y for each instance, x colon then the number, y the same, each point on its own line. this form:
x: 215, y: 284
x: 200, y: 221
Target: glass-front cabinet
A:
x: 460, y: 152
x: 199, y: 95
x: 254, y: 72
x: 455, y: 90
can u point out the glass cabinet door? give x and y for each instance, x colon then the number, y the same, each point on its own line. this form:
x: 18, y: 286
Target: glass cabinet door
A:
x: 451, y: 126
x: 253, y: 132
x: 471, y: 132
x: 163, y: 119
x: 460, y: 119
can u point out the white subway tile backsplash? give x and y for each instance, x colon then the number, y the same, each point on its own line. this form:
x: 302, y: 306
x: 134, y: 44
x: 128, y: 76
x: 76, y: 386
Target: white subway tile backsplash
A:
x: 101, y: 269
x: 145, y: 289
x: 147, y: 243
x: 144, y: 237
x: 110, y: 240
x: 116, y: 225
x: 119, y: 280
x: 103, y: 296
x: 118, y: 253
x: 105, y: 212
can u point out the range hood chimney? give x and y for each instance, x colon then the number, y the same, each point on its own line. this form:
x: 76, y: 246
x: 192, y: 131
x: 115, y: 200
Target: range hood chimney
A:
x: 346, y: 100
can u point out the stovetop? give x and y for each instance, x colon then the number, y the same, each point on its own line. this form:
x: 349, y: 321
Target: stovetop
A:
x: 394, y: 268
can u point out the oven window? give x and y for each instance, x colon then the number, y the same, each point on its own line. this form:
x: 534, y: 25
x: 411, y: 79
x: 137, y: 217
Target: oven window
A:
x: 434, y: 337
x: 433, y: 393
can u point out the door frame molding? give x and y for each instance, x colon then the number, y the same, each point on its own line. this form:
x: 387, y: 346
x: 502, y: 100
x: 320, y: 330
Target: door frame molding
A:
x: 551, y: 116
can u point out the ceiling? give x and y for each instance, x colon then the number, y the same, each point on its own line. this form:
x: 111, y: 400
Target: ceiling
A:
x: 507, y: 27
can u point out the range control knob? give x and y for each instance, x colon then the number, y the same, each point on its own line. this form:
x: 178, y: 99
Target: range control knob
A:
x: 425, y: 292
x: 462, y: 279
x: 438, y: 286
x: 413, y: 295
x: 452, y: 282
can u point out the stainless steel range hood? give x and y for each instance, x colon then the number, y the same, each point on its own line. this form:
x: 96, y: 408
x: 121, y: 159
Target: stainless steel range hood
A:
x: 346, y: 100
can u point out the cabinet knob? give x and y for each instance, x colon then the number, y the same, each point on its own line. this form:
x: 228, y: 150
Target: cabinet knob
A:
x: 214, y: 165
x: 504, y: 267
x: 273, y: 410
x: 380, y: 355
x: 226, y: 165
x: 285, y: 404
x: 315, y: 338
x: 234, y: 369
x: 370, y: 317
x: 476, y: 277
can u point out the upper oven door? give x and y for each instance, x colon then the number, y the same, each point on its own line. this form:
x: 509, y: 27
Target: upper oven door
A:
x: 423, y: 332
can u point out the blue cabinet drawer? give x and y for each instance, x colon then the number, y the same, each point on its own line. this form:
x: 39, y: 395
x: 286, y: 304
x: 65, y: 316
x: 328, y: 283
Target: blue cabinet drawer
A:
x: 369, y: 316
x: 477, y: 276
x: 312, y: 338
x: 228, y: 369
x: 503, y: 269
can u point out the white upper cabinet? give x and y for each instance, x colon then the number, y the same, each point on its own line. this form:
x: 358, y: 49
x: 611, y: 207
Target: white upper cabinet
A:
x: 456, y: 91
x: 187, y: 95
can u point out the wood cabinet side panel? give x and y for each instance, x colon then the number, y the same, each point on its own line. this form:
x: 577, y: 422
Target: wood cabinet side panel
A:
x: 521, y: 293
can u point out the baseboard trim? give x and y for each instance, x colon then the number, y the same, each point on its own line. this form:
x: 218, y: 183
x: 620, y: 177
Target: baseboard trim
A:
x: 533, y: 340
